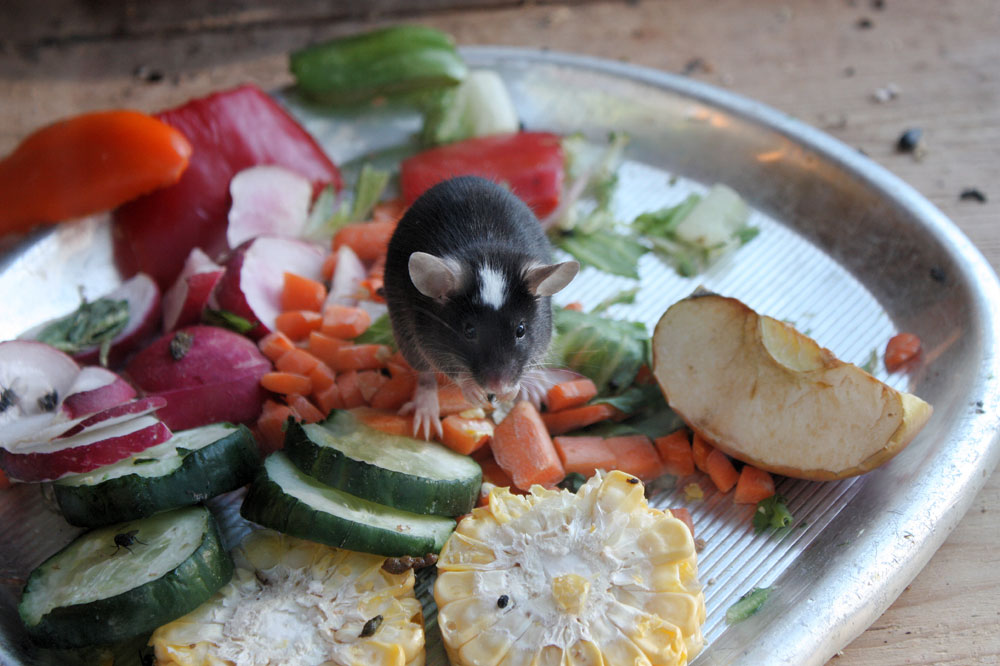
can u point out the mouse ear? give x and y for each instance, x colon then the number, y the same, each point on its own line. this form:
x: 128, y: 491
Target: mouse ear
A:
x: 550, y: 279
x: 434, y: 277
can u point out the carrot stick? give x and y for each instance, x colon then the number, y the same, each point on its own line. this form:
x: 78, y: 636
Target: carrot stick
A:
x: 329, y: 266
x: 274, y: 344
x: 361, y: 357
x: 396, y: 392
x: 754, y: 485
x: 286, y: 383
x: 465, y: 435
x: 329, y: 399
x: 343, y: 321
x: 584, y: 454
x: 369, y: 382
x: 570, y: 394
x: 721, y: 471
x: 699, y: 452
x: 271, y: 425
x: 306, y: 410
x: 367, y: 239
x: 675, y: 452
x: 301, y: 293
x: 350, y: 392
x: 324, y: 347
x: 322, y: 378
x: 900, y: 350
x: 388, y: 422
x: 577, y: 417
x: 635, y: 455
x: 523, y: 448
x: 297, y: 361
x: 451, y: 400
x: 298, y: 324
x: 389, y: 211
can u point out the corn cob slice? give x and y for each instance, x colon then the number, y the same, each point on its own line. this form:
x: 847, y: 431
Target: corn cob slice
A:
x: 295, y: 602
x: 556, y: 578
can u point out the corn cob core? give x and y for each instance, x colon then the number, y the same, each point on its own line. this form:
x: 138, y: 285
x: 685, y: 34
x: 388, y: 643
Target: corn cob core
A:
x: 295, y: 602
x: 598, y: 577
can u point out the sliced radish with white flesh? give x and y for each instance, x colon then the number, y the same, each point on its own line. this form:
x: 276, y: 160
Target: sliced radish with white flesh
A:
x: 85, y: 452
x: 143, y: 318
x: 267, y: 201
x: 94, y: 389
x: 255, y: 274
x: 34, y: 379
x: 347, y: 278
x: 184, y: 301
x: 30, y: 434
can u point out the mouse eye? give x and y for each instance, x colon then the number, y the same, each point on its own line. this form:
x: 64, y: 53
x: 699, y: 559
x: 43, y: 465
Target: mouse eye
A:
x: 520, y: 330
x: 470, y: 331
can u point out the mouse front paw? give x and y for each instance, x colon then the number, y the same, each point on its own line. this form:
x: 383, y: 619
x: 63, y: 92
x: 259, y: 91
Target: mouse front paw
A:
x: 425, y: 408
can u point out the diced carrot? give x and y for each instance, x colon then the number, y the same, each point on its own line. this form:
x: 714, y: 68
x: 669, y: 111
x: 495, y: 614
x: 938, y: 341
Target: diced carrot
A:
x: 4, y: 481
x: 322, y: 378
x: 683, y: 515
x: 305, y: 409
x: 302, y: 293
x: 344, y: 321
x: 636, y: 455
x: 754, y: 485
x: 465, y: 435
x: 375, y: 281
x: 286, y: 383
x: 384, y: 421
x: 369, y: 382
x: 570, y: 394
x: 644, y: 376
x: 395, y: 392
x: 900, y: 350
x: 298, y: 361
x: 699, y: 452
x: 298, y: 324
x: 325, y: 347
x: 367, y: 239
x: 361, y: 357
x: 523, y: 448
x: 271, y: 425
x: 577, y: 417
x: 397, y: 364
x: 675, y: 452
x: 584, y: 454
x: 451, y: 400
x: 274, y: 344
x: 575, y: 306
x: 329, y: 266
x: 721, y: 471
x: 350, y: 393
x: 389, y: 211
x: 329, y: 399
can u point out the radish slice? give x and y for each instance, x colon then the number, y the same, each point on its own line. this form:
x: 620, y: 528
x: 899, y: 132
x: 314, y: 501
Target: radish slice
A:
x: 143, y: 298
x: 184, y: 301
x: 34, y: 378
x: 267, y: 201
x: 347, y: 277
x: 95, y: 389
x: 255, y: 274
x: 116, y: 414
x: 87, y: 451
x: 30, y: 434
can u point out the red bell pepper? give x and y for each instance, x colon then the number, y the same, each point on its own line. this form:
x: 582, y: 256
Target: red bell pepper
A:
x: 228, y: 131
x: 530, y: 163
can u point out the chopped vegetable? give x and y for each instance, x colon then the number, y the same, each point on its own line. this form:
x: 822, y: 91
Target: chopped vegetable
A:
x: 298, y: 324
x: 88, y: 164
x: 575, y: 418
x: 585, y: 454
x: 771, y: 513
x: 608, y: 351
x: 748, y: 604
x: 464, y: 435
x: 523, y: 448
x: 286, y: 383
x: 345, y: 322
x: 94, y: 323
x: 302, y: 293
x: 592, y: 173
x: 900, y: 350
x: 721, y: 470
x: 570, y: 394
x: 610, y: 251
x: 675, y: 452
x: 754, y: 485
x: 369, y: 240
x: 479, y: 106
x: 390, y: 61
x: 635, y: 455
x: 267, y: 200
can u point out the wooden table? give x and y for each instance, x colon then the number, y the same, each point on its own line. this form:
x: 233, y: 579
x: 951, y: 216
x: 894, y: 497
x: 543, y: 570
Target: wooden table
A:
x: 821, y: 62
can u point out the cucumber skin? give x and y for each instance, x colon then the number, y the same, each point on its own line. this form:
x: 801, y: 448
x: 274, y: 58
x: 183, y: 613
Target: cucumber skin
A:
x: 382, y: 486
x: 224, y: 465
x: 141, y: 609
x: 267, y: 504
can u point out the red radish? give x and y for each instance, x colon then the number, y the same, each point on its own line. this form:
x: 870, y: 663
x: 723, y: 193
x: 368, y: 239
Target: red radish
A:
x: 95, y: 389
x: 184, y: 301
x: 206, y: 374
x: 114, y: 415
x: 143, y: 298
x: 267, y: 201
x: 27, y: 436
x: 251, y: 286
x: 34, y: 377
x: 85, y: 452
x: 347, y: 277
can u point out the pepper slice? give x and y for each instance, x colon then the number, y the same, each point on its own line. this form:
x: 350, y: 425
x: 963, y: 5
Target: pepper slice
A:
x: 229, y: 131
x: 530, y: 163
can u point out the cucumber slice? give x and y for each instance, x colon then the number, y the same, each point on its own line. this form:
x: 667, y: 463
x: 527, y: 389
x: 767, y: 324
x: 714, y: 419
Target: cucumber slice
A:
x: 283, y: 498
x: 190, y: 467
x: 95, y: 592
x: 401, y: 472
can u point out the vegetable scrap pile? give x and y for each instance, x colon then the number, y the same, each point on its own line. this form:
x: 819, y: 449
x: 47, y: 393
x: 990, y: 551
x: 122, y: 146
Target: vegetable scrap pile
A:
x: 250, y: 346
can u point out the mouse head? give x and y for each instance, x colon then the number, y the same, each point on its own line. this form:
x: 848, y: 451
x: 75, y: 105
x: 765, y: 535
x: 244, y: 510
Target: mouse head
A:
x: 492, y: 318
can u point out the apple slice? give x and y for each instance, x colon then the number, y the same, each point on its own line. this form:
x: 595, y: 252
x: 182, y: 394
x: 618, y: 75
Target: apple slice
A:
x: 184, y: 301
x: 86, y: 451
x: 766, y: 394
x: 255, y: 275
x: 95, y: 389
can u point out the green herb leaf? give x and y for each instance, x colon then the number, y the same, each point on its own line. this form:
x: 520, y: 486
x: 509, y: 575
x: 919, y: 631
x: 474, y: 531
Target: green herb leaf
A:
x: 634, y: 399
x: 662, y: 222
x: 748, y: 604
x: 572, y: 482
x: 378, y: 333
x: 623, y: 296
x: 367, y: 192
x: 227, y: 319
x: 771, y: 513
x: 609, y: 251
x: 871, y: 363
x: 93, y: 324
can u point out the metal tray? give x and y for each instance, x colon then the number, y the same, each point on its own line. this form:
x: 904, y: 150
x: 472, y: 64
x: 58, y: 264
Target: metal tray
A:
x: 847, y: 252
